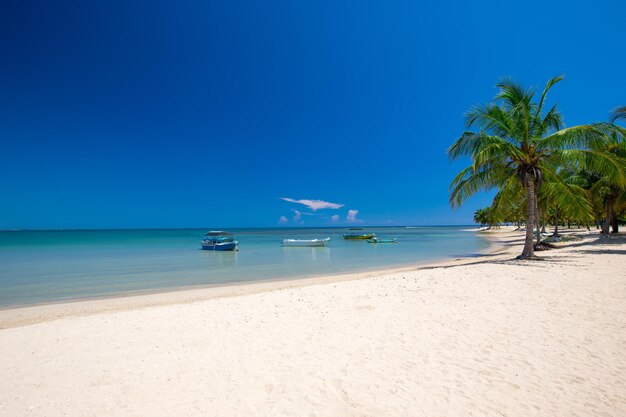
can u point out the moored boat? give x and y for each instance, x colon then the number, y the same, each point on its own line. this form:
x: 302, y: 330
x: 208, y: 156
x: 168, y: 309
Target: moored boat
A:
x: 306, y: 242
x: 358, y: 236
x: 219, y: 240
x: 379, y: 240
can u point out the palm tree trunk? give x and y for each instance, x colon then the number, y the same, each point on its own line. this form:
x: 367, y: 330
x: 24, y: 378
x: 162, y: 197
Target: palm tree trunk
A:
x: 543, y: 220
x: 537, y: 221
x: 529, y: 251
x: 614, y: 220
x: 609, y: 216
x: 556, y: 222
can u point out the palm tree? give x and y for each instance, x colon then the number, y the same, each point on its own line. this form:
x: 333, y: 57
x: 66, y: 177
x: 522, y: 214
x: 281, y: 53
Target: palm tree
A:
x: 486, y: 217
x: 568, y: 198
x: 611, y: 193
x: 617, y: 191
x: 607, y: 195
x: 481, y: 216
x: 518, y: 145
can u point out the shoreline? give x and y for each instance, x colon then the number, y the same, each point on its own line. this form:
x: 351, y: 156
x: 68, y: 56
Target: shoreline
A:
x: 28, y: 314
x: 491, y: 336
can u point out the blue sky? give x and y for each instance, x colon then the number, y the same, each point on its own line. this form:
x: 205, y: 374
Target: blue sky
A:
x: 198, y: 114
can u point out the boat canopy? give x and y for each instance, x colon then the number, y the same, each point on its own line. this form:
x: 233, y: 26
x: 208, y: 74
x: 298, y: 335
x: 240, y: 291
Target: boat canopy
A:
x: 218, y: 233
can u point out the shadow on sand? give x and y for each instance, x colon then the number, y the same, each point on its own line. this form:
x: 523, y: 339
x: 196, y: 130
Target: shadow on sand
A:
x: 588, y: 242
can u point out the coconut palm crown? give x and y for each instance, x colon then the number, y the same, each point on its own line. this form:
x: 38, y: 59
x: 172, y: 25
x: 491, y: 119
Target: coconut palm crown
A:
x: 518, y: 146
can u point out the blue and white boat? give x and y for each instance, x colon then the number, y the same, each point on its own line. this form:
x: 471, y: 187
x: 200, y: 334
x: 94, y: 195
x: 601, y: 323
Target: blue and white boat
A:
x: 219, y: 240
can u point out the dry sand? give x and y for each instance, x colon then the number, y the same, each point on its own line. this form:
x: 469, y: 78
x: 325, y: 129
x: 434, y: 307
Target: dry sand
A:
x: 493, y: 337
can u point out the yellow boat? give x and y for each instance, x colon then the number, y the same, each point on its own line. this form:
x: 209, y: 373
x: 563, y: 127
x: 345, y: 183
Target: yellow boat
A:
x: 358, y: 236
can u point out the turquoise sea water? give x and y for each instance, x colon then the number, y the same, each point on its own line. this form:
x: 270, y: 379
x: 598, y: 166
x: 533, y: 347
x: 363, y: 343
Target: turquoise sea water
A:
x: 46, y: 266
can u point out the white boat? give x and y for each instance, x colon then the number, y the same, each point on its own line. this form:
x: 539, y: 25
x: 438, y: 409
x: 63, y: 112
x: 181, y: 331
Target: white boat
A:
x: 306, y: 242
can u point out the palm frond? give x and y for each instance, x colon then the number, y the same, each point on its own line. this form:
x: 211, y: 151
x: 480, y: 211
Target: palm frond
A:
x: 510, y: 195
x: 553, y: 119
x: 473, y: 144
x: 582, y: 136
x: 618, y: 113
x: 599, y: 162
x: 549, y: 85
x: 490, y: 118
x: 571, y: 199
x: 470, y: 180
x: 513, y: 94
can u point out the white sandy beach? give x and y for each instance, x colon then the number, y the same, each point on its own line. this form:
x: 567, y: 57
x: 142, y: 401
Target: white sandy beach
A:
x: 495, y: 337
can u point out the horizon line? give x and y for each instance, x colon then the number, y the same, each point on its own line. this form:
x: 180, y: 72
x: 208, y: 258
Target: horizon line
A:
x: 69, y: 229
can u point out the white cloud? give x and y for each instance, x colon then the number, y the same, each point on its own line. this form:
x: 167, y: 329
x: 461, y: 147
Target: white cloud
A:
x: 335, y: 218
x: 315, y: 204
x: 297, y: 216
x: 283, y: 220
x: 351, y: 217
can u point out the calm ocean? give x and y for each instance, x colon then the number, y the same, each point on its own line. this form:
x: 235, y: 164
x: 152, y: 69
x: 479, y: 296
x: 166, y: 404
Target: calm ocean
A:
x: 46, y: 266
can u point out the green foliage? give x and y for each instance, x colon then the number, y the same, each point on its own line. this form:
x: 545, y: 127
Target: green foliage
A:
x: 486, y: 217
x: 481, y: 216
x: 514, y: 140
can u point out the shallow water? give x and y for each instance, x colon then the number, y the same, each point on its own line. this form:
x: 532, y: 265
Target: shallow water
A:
x: 45, y: 266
